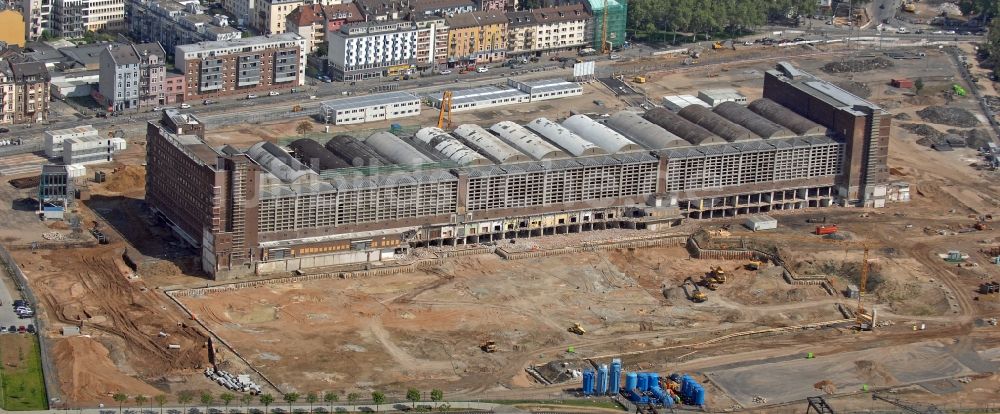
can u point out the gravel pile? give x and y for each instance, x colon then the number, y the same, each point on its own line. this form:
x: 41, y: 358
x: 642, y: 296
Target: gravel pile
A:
x: 928, y: 134
x: 947, y: 115
x: 974, y: 138
x: 993, y: 102
x: 902, y: 116
x: 857, y: 65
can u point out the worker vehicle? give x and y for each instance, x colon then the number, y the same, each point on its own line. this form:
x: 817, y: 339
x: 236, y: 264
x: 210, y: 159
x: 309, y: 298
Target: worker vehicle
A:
x: 754, y: 265
x: 694, y: 294
x: 577, y: 329
x: 710, y: 283
x: 718, y: 274
x: 489, y: 346
x: 826, y: 229
x: 717, y: 46
x: 639, y: 79
x: 185, y: 106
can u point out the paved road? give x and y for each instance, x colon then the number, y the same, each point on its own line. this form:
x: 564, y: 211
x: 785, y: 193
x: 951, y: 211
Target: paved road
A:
x: 277, y: 407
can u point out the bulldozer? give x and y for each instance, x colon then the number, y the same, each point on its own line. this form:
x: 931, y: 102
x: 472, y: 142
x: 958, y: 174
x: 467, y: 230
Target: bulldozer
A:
x: 577, y: 329
x: 718, y: 274
x: 754, y: 265
x: 693, y: 292
x: 489, y: 346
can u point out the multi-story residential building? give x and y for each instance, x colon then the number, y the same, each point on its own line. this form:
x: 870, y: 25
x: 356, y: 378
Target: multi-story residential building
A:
x: 560, y: 27
x: 31, y: 90
x: 384, y: 9
x: 103, y: 15
x: 67, y: 18
x: 477, y: 37
x: 372, y: 49
x: 245, y: 66
x: 432, y: 40
x: 36, y: 17
x: 173, y: 85
x: 271, y: 14
x: 7, y: 93
x: 12, y: 27
x: 313, y: 21
x: 243, y: 10
x: 171, y: 23
x: 132, y: 76
x: 498, y: 5
x: 521, y: 32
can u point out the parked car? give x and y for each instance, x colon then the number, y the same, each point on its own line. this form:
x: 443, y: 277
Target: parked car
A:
x: 251, y: 96
x: 445, y: 72
x: 3, y: 329
x: 615, y: 57
x: 31, y: 328
x: 273, y: 93
x: 207, y: 102
x: 4, y: 130
x: 185, y: 106
x: 12, y: 329
x: 157, y: 108
x: 22, y: 329
x: 482, y: 69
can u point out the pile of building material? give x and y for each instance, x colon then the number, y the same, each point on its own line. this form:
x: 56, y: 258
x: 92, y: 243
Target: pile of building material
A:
x: 236, y: 383
x: 992, y: 102
x: 857, y: 65
x: 949, y: 115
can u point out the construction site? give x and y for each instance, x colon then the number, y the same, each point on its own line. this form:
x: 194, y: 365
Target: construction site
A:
x: 837, y: 301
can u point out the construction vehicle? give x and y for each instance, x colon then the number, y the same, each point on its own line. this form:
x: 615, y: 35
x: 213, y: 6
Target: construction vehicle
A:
x: 297, y: 108
x: 718, y: 274
x: 754, y: 265
x: 826, y: 229
x: 717, y: 46
x: 693, y: 292
x: 709, y: 283
x: 445, y: 109
x: 981, y: 226
x: 958, y: 89
x: 577, y: 329
x: 489, y: 346
x: 639, y: 79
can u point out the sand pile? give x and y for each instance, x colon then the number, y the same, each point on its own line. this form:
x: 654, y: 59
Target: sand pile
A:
x: 131, y: 177
x: 87, y: 373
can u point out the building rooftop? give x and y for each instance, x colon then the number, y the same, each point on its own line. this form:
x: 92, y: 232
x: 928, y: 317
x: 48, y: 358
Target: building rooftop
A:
x: 564, y: 13
x: 462, y: 20
x: 479, y: 94
x: 521, y: 18
x: 368, y: 100
x: 425, y: 6
x: 237, y: 43
x: 485, y: 18
x: 86, y: 55
x: 82, y: 129
x: 821, y: 89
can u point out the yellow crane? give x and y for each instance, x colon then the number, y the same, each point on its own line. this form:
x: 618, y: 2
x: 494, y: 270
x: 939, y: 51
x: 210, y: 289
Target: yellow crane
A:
x: 605, y: 49
x: 445, y: 109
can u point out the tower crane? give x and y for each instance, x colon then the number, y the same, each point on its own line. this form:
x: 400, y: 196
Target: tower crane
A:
x: 605, y: 49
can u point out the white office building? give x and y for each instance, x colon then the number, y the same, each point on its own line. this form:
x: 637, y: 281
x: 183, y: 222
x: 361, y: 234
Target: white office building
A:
x: 90, y: 149
x: 372, y: 49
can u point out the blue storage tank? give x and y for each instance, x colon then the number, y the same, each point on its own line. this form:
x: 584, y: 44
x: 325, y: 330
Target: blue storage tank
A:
x: 637, y: 398
x: 588, y: 382
x: 654, y: 380
x: 631, y: 381
x: 615, y: 377
x: 602, y: 380
x: 685, y: 384
x: 658, y: 393
x: 699, y: 395
x: 643, y: 385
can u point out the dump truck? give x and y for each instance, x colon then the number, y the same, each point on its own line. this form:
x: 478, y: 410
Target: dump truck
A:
x: 826, y: 229
x: 489, y: 346
x: 694, y: 294
x: 718, y: 274
x: 577, y: 329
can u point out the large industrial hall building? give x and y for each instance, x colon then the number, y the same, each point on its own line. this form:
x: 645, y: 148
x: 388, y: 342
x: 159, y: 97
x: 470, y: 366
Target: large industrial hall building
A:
x: 806, y: 143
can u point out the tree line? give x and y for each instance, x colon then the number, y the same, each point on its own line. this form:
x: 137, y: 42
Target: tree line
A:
x: 730, y: 17
x: 208, y: 400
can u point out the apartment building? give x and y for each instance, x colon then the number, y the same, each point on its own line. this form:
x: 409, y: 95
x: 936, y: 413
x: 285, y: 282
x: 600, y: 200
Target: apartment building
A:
x: 521, y: 31
x: 496, y: 5
x: 67, y: 18
x: 103, y: 15
x: 432, y: 40
x: 271, y: 14
x: 244, y: 66
x: 36, y: 17
x: 174, y: 87
x: 31, y: 90
x: 243, y: 10
x: 171, y: 23
x: 11, y: 27
x: 442, y: 7
x: 478, y: 37
x: 313, y: 21
x: 372, y: 49
x: 132, y: 76
x: 559, y: 28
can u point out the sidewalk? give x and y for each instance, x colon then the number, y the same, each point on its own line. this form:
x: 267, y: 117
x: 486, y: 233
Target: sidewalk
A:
x: 280, y: 408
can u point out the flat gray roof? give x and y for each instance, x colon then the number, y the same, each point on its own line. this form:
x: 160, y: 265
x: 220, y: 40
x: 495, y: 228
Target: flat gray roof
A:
x: 242, y: 42
x: 483, y: 93
x: 368, y: 100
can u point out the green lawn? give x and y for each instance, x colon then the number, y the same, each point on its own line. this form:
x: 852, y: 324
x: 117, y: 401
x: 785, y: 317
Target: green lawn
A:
x: 23, y: 387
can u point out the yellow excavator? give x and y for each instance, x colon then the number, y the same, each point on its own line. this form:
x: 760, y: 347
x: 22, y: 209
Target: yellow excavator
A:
x: 577, y: 329
x: 694, y: 293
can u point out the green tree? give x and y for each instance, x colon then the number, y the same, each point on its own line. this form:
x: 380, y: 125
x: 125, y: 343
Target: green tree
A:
x: 413, y: 395
x: 437, y: 395
x: 266, y: 400
x: 140, y: 400
x: 185, y: 397
x: 245, y: 401
x: 918, y: 85
x: 329, y: 398
x: 353, y: 398
x: 161, y: 400
x: 304, y: 127
x: 378, y: 398
x: 207, y: 399
x: 120, y: 399
x: 312, y: 398
x: 226, y: 399
x: 290, y: 398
